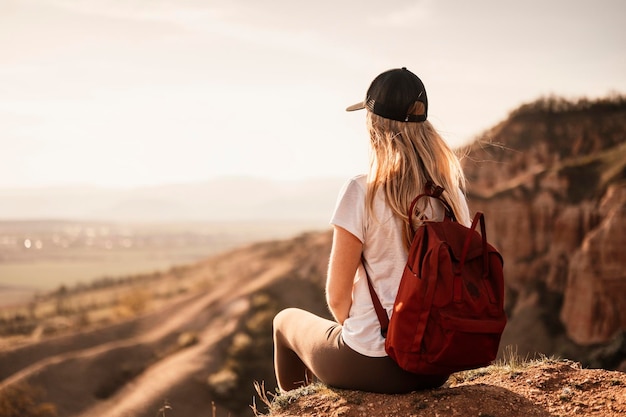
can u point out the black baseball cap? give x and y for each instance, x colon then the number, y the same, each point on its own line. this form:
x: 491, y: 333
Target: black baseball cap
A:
x: 392, y: 95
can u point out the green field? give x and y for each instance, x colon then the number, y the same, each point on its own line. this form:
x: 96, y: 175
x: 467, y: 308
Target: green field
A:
x: 39, y: 256
x: 49, y: 274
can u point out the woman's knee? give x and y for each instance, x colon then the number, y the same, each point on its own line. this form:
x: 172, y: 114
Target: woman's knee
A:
x: 283, y: 318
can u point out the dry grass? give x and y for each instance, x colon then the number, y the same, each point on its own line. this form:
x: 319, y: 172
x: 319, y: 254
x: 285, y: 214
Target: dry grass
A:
x: 510, y: 362
x: 277, y: 401
x: 24, y: 400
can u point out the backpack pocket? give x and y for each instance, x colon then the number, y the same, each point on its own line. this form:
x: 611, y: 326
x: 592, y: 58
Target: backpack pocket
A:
x: 461, y: 343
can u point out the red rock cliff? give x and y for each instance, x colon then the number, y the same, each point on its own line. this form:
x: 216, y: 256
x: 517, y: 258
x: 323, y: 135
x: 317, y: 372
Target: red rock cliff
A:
x: 552, y: 182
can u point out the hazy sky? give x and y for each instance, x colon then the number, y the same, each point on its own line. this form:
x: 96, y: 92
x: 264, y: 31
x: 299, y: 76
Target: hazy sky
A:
x: 136, y: 92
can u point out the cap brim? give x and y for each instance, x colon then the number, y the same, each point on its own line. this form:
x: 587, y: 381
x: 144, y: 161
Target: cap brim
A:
x: 357, y: 106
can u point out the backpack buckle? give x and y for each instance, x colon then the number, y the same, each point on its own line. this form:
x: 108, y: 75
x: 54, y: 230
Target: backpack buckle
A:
x: 433, y: 190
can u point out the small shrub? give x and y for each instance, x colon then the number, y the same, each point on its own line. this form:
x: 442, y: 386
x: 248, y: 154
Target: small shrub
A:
x: 241, y: 345
x: 187, y: 339
x: 223, y: 382
x: 134, y: 302
x: 23, y: 400
x: 260, y: 321
x: 275, y: 402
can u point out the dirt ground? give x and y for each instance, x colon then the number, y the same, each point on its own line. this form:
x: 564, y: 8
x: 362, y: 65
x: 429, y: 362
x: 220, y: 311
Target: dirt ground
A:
x: 542, y: 389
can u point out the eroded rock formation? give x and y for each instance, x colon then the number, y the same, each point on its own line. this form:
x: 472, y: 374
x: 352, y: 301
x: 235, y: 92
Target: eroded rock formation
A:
x: 552, y: 182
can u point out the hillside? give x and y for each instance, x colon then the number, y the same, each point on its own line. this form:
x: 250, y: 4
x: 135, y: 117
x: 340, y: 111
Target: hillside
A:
x: 206, y: 337
x: 551, y: 181
x: 191, y: 337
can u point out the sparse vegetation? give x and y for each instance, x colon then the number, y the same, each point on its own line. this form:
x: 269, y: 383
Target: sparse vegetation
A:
x: 509, y: 363
x: 556, y: 104
x: 24, y: 400
x: 247, y: 354
x: 275, y: 402
x: 187, y: 339
x: 223, y: 382
x: 133, y: 302
x: 102, y: 302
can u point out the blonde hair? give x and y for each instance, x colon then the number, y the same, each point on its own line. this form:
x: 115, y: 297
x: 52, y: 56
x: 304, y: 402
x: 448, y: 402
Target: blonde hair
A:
x: 404, y: 157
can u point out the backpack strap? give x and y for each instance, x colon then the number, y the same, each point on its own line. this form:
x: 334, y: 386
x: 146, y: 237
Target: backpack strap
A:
x: 383, y: 319
x: 478, y: 218
x: 432, y: 190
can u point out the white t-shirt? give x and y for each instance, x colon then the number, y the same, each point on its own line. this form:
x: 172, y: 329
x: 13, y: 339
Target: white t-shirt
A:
x: 385, y: 258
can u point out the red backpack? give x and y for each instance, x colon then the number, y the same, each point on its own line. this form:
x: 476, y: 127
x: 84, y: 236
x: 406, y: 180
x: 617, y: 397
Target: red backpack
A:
x: 448, y: 315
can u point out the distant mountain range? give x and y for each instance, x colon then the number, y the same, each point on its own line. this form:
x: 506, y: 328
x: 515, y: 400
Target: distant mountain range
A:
x: 225, y: 199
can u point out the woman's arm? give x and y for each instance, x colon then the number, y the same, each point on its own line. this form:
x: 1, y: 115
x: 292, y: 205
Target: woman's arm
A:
x: 345, y: 257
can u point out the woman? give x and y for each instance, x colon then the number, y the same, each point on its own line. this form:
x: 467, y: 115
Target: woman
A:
x: 372, y: 233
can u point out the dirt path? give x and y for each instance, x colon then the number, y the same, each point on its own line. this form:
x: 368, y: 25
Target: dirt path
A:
x: 155, y: 385
x: 145, y: 351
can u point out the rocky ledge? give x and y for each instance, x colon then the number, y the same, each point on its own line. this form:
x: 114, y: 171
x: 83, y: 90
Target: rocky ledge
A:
x: 542, y: 388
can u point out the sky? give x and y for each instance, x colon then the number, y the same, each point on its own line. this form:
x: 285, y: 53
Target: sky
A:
x: 128, y: 93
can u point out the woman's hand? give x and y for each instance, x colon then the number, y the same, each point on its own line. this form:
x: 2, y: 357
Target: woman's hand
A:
x: 345, y: 258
